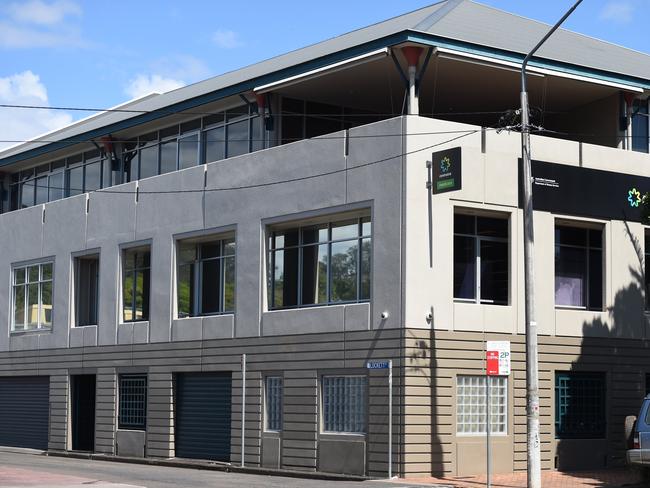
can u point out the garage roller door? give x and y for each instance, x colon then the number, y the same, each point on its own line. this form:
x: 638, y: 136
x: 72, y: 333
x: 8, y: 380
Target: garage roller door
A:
x: 203, y: 402
x: 24, y: 411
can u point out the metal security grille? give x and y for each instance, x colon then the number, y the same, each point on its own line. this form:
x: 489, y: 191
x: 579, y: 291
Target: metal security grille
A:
x: 471, y: 405
x: 273, y: 402
x: 133, y: 402
x: 580, y: 405
x: 344, y: 404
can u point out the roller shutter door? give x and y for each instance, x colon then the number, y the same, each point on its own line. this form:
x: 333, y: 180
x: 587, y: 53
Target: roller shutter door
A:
x: 202, y: 428
x: 24, y: 411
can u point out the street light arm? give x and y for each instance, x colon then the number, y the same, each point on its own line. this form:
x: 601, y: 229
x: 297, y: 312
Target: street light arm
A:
x: 539, y: 44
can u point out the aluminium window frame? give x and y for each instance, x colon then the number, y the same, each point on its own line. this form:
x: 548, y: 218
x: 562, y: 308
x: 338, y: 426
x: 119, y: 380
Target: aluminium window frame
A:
x: 26, y: 266
x: 76, y: 285
x: 477, y: 239
x: 138, y: 248
x: 299, y: 226
x: 196, y: 305
x: 587, y: 248
x: 135, y: 427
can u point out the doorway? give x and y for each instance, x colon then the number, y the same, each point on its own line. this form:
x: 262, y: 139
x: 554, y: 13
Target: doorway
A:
x: 83, y: 412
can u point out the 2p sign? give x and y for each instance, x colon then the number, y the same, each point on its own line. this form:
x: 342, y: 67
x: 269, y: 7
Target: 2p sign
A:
x: 498, y: 358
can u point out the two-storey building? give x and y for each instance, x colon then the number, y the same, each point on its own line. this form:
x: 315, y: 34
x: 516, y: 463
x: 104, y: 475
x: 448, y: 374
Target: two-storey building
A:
x: 352, y: 201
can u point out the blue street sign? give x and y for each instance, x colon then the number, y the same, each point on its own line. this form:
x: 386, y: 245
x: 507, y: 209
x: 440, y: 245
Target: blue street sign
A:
x: 377, y: 365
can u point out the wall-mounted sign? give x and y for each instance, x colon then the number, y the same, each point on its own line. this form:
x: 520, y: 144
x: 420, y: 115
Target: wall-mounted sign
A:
x: 498, y: 358
x: 572, y: 190
x: 377, y: 365
x: 446, y: 170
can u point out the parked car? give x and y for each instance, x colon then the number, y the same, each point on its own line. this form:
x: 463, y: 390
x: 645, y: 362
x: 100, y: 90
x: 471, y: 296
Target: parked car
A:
x: 637, y: 436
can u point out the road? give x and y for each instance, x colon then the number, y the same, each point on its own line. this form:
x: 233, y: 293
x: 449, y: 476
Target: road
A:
x: 20, y: 469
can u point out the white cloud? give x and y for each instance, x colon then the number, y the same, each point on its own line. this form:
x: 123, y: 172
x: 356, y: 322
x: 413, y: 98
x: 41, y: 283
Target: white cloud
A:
x: 43, y: 13
x: 18, y: 124
x: 226, y: 39
x: 180, y: 67
x: 38, y: 24
x: 619, y: 11
x: 143, y: 85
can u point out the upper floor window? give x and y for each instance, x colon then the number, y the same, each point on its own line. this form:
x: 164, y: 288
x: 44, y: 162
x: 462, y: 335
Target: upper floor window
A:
x: 86, y: 289
x: 646, y: 270
x: 641, y: 126
x: 205, y: 276
x: 578, y: 267
x: 136, y: 283
x: 320, y: 264
x: 32, y: 297
x: 481, y: 259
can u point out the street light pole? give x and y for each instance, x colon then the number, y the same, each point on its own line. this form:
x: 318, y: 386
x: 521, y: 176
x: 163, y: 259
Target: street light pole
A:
x: 532, y: 366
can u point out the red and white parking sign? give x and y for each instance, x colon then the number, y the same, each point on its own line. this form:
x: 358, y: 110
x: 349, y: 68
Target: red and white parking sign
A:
x: 498, y: 358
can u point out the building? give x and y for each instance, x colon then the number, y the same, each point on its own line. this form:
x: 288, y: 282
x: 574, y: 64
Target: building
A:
x: 288, y: 212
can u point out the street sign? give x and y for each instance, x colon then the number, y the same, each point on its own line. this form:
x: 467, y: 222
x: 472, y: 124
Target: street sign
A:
x: 377, y: 365
x: 498, y: 358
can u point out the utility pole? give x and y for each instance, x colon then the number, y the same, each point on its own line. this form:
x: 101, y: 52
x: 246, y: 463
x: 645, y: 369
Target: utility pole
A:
x: 534, y: 465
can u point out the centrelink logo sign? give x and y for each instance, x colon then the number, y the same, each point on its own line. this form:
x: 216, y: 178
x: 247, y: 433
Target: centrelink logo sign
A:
x: 447, y: 170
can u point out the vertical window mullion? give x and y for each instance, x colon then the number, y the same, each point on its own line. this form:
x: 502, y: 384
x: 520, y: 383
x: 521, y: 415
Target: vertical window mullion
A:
x: 197, y: 282
x: 477, y: 253
x: 358, y: 270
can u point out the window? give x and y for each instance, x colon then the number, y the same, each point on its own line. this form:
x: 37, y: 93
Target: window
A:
x: 205, y: 278
x: 471, y: 405
x: 320, y: 264
x: 481, y: 259
x: 640, y: 126
x: 344, y: 404
x: 579, y: 405
x: 136, y: 270
x: 646, y: 263
x: 32, y: 297
x: 273, y: 403
x: 86, y: 286
x: 578, y: 267
x: 133, y: 402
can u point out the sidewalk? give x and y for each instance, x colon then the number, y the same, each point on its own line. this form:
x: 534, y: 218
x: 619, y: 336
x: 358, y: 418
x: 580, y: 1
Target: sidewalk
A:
x: 611, y: 478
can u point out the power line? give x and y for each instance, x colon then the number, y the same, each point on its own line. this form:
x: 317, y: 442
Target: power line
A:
x: 260, y: 185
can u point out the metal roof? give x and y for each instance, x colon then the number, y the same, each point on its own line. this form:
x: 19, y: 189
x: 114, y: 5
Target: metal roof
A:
x: 464, y: 21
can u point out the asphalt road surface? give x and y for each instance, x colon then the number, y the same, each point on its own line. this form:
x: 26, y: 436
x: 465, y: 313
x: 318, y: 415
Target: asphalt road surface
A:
x: 20, y: 469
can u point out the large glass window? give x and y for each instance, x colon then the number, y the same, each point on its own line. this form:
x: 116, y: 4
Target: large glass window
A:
x: 580, y: 405
x: 86, y: 289
x: 471, y: 405
x: 320, y: 264
x: 646, y: 264
x: 273, y: 403
x: 132, y: 414
x: 205, y: 277
x: 136, y: 270
x: 32, y: 297
x: 578, y: 267
x: 641, y: 126
x: 344, y: 404
x: 481, y: 259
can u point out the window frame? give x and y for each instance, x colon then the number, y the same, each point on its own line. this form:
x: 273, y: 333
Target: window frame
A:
x: 267, y: 402
x: 364, y: 412
x: 586, y: 226
x: 477, y: 240
x: 134, y: 271
x: 487, y: 380
x: 121, y: 425
x: 331, y: 222
x: 593, y: 375
x: 77, y: 285
x: 197, y: 280
x: 41, y: 326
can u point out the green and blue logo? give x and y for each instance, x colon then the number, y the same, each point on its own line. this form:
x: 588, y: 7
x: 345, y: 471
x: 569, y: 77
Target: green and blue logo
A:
x: 445, y: 164
x: 634, y: 197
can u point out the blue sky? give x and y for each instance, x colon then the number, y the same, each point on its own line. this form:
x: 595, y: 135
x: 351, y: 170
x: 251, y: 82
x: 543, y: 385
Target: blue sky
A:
x: 99, y: 54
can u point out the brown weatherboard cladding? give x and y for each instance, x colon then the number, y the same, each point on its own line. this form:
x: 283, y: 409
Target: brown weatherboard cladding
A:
x: 301, y: 359
x: 429, y: 444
